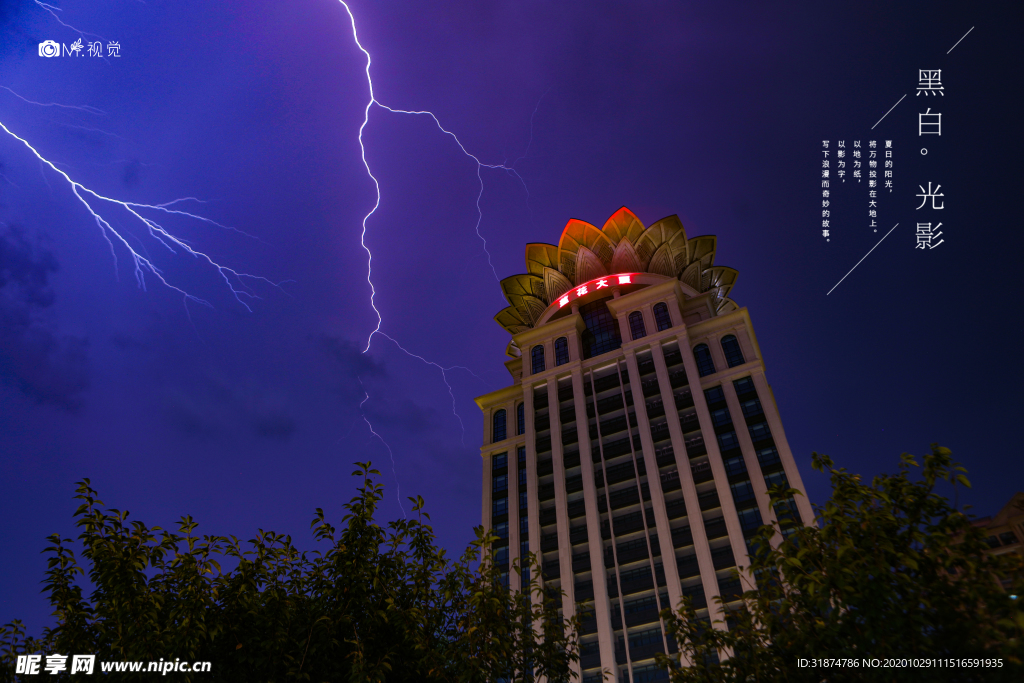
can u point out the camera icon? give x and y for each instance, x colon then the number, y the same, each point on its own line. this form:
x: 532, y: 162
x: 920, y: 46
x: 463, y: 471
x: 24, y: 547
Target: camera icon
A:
x: 49, y: 48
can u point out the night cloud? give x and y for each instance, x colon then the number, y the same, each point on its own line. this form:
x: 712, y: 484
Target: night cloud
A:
x: 405, y: 415
x: 218, y: 406
x: 43, y: 365
x: 355, y: 366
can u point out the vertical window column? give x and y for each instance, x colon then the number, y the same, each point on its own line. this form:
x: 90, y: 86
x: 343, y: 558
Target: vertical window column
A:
x: 703, y: 549
x: 661, y: 520
x: 487, y: 502
x: 747, y: 448
x: 533, y: 506
x: 602, y: 604
x: 561, y: 511
x: 764, y: 392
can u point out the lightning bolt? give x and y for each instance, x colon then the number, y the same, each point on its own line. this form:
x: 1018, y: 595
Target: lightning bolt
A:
x: 362, y: 238
x: 143, y: 264
x: 53, y: 11
x: 236, y: 281
x: 398, y: 485
x: 87, y: 109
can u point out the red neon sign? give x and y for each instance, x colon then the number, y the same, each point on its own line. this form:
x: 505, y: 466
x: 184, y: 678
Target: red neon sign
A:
x: 594, y: 285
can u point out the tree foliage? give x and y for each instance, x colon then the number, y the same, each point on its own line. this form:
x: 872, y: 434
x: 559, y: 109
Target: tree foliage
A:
x: 372, y: 603
x: 890, y: 570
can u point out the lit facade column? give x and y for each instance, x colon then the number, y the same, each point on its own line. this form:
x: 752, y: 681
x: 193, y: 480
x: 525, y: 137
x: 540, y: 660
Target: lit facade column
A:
x: 771, y: 412
x: 694, y: 515
x: 739, y: 421
x: 513, y: 504
x: 595, y: 544
x: 532, y: 501
x: 488, y: 489
x: 661, y: 520
x: 561, y: 509
x: 707, y: 428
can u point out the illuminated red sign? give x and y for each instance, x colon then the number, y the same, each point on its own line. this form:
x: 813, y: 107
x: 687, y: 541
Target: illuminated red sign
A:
x: 594, y: 285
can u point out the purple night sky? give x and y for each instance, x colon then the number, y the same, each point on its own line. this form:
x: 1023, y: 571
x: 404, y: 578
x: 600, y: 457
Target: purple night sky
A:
x: 712, y: 111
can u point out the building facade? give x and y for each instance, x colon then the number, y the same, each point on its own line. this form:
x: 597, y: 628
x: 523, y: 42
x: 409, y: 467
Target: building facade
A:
x: 635, y: 446
x: 1004, y: 531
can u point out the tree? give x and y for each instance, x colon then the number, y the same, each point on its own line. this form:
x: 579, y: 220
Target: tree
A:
x: 370, y: 604
x: 890, y: 570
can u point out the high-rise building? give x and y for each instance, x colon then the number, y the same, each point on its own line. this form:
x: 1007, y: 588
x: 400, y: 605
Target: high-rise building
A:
x: 635, y: 446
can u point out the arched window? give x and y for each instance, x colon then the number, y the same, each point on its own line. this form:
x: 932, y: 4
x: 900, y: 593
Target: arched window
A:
x: 561, y: 351
x: 733, y: 355
x: 498, y: 432
x: 602, y: 333
x: 521, y: 419
x: 537, y: 355
x: 705, y: 366
x: 636, y: 325
x: 661, y: 316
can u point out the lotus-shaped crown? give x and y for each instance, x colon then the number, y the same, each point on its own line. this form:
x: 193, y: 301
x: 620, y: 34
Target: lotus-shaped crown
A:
x: 623, y: 245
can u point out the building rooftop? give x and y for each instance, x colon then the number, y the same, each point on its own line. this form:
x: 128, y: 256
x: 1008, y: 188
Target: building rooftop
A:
x: 623, y: 245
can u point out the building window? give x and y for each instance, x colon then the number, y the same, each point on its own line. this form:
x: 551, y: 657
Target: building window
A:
x: 661, y: 317
x: 705, y: 366
x: 760, y: 431
x: 647, y: 637
x: 499, y: 461
x: 501, y: 558
x: 521, y: 419
x: 501, y: 529
x: 641, y: 604
x: 742, y: 492
x: 721, y: 417
x: 768, y: 457
x: 728, y: 441
x: 649, y: 673
x: 602, y: 334
x: 750, y: 519
x: 501, y: 483
x: 636, y: 325
x: 714, y: 395
x: 522, y: 480
x: 561, y: 351
x: 524, y: 527
x: 776, y: 479
x: 537, y: 355
x: 498, y: 433
x: 744, y: 386
x: 752, y: 407
x: 523, y: 501
x: 733, y: 355
x: 735, y: 466
x: 500, y: 507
